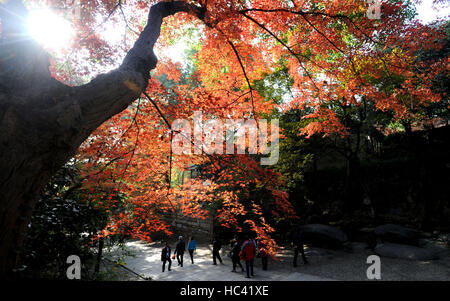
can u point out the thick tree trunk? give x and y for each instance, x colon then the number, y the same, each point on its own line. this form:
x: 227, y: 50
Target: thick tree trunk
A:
x: 43, y: 122
x: 101, y: 243
x: 352, y: 190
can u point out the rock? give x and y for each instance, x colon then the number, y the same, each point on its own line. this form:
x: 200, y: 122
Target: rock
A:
x: 323, y: 235
x: 397, y: 234
x: 317, y: 252
x: 405, y: 252
x: 357, y: 247
x: 425, y: 235
x: 438, y: 247
x: 367, y: 230
x: 423, y: 242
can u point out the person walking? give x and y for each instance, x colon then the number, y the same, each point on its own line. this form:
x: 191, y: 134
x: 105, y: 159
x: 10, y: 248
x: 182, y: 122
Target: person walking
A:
x: 179, y: 250
x: 236, y: 248
x: 165, y: 256
x: 191, y: 248
x: 264, y: 254
x: 298, y: 247
x: 248, y: 252
x: 217, y: 245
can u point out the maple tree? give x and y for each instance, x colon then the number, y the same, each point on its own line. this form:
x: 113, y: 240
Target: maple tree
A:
x: 333, y: 53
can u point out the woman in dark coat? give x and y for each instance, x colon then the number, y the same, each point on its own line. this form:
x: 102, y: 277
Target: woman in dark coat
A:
x: 235, y: 255
x: 179, y: 250
x: 165, y: 256
x: 298, y: 247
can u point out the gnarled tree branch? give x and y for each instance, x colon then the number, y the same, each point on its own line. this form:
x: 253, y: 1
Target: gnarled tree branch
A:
x: 43, y: 122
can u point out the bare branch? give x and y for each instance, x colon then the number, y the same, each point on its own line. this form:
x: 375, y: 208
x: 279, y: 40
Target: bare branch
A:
x: 157, y: 108
x: 245, y: 74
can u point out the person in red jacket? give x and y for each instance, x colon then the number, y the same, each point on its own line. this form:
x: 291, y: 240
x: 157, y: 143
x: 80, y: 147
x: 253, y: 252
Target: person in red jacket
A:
x: 247, y: 254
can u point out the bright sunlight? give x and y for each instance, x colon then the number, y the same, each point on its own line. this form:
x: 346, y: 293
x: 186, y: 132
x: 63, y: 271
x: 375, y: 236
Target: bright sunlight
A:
x: 49, y: 29
x: 54, y: 32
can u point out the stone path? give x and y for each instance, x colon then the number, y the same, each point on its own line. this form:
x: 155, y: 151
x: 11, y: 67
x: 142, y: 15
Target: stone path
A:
x: 146, y: 261
x: 324, y: 265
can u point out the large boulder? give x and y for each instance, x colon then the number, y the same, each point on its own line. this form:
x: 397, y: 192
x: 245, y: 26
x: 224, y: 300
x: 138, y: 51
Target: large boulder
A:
x: 397, y: 234
x: 318, y: 252
x: 323, y: 235
x: 357, y: 247
x: 405, y: 252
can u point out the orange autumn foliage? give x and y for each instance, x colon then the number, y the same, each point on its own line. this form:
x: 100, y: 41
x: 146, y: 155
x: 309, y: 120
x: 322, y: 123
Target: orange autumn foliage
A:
x: 332, y: 52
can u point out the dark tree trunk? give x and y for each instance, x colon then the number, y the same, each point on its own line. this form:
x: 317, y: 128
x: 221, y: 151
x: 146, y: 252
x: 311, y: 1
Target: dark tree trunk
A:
x: 43, y: 122
x: 352, y: 190
x: 408, y: 129
x: 101, y: 243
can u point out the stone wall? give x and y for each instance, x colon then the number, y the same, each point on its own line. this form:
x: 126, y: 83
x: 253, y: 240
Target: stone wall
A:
x: 187, y: 226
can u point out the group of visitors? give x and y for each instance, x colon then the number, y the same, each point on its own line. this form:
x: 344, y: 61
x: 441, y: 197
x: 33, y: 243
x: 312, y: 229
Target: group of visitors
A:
x: 241, y: 249
x: 179, y: 252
